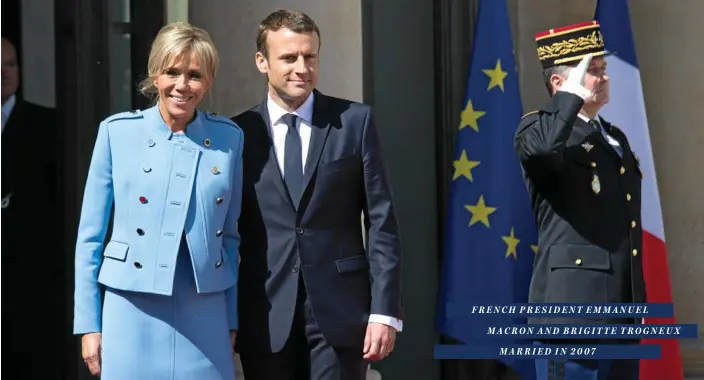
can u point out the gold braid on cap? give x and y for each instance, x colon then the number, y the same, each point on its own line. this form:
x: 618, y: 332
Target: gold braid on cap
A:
x: 571, y: 46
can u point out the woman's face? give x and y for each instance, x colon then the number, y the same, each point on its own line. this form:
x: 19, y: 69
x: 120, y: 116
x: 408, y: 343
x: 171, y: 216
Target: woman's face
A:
x: 181, y: 87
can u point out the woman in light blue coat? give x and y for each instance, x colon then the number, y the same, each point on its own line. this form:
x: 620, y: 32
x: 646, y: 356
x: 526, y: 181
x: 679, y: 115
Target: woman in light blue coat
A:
x: 170, y: 267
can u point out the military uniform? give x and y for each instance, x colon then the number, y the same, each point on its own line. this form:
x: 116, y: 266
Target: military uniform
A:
x: 587, y: 200
x: 586, y: 195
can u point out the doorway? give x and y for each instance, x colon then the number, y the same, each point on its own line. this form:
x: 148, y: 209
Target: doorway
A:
x: 101, y: 55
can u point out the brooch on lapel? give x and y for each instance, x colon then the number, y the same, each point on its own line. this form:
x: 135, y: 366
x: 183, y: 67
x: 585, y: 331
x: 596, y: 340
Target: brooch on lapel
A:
x: 6, y: 200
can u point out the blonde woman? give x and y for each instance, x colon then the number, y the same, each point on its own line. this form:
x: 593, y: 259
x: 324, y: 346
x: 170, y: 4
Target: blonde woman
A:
x: 174, y: 175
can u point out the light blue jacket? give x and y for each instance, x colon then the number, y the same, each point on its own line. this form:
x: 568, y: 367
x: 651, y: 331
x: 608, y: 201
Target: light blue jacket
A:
x: 162, y: 185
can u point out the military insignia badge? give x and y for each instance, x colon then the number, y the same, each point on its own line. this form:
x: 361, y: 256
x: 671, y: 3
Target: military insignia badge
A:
x: 596, y: 184
x: 587, y: 146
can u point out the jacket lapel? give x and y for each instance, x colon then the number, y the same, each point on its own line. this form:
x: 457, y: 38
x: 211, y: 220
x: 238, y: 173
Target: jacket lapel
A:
x: 271, y: 169
x: 320, y: 129
x: 14, y: 146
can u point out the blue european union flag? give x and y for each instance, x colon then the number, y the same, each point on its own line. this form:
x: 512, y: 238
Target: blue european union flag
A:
x: 491, y: 235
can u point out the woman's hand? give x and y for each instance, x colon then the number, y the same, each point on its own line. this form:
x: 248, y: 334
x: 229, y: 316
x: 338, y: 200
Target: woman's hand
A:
x: 91, y: 347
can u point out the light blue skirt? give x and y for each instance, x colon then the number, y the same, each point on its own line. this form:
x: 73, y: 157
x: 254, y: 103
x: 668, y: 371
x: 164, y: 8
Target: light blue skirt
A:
x: 155, y: 337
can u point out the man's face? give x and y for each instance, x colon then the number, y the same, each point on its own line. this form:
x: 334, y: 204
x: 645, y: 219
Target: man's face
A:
x: 10, y: 71
x: 597, y: 81
x: 291, y: 64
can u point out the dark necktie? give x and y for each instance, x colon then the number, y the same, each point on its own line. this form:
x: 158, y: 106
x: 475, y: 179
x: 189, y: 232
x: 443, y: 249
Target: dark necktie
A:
x: 597, y: 125
x: 293, y: 160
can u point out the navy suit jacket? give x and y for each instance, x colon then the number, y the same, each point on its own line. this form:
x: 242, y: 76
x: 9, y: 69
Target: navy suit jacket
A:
x: 322, y: 239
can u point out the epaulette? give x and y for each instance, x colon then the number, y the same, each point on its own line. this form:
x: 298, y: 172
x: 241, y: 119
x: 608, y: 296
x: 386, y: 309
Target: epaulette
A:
x: 530, y: 113
x: 134, y: 114
x: 527, y: 120
x: 212, y: 116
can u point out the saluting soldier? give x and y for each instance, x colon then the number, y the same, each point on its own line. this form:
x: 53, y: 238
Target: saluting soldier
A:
x: 585, y: 185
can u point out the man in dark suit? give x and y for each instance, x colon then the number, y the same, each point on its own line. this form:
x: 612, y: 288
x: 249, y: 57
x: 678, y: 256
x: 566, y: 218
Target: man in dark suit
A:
x: 585, y: 184
x: 314, y: 303
x: 32, y: 255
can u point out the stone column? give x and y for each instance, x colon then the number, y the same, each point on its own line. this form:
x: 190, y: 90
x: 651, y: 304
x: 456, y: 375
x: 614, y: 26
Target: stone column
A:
x: 37, y: 71
x: 669, y: 47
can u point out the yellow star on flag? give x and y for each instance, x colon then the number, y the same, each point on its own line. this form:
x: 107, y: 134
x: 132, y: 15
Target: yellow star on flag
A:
x: 534, y: 248
x: 470, y: 116
x: 480, y: 212
x: 511, y: 243
x: 463, y: 167
x: 497, y: 76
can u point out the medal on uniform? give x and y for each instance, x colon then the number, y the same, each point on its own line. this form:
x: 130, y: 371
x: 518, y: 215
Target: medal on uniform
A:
x: 596, y: 184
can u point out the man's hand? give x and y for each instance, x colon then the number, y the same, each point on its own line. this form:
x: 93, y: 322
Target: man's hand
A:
x: 379, y: 341
x: 91, y: 347
x: 577, y: 74
x: 575, y: 79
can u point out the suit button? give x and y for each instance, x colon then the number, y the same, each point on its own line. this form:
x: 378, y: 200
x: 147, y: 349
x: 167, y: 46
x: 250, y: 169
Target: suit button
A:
x: 628, y: 197
x: 143, y: 200
x: 140, y: 232
x: 635, y: 252
x: 219, y: 233
x: 593, y: 164
x: 623, y: 170
x: 633, y: 224
x: 218, y: 201
x: 295, y: 269
x: 218, y: 264
x: 299, y: 231
x: 578, y: 261
x: 137, y: 265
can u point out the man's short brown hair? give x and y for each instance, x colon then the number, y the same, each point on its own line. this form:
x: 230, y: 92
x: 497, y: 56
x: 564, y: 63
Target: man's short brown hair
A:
x: 295, y: 21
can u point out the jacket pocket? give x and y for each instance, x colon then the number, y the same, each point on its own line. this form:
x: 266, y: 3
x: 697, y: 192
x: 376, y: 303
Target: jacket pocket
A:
x: 116, y: 250
x: 352, y: 264
x: 578, y: 273
x: 340, y: 164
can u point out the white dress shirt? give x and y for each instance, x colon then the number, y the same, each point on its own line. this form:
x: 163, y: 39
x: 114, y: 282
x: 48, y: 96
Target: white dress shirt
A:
x: 279, y: 129
x: 7, y: 110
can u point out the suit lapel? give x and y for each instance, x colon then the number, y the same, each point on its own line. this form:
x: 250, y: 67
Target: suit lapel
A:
x: 14, y: 146
x: 272, y: 168
x: 320, y: 129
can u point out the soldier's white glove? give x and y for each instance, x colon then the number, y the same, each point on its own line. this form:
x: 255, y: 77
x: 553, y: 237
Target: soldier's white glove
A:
x: 575, y: 79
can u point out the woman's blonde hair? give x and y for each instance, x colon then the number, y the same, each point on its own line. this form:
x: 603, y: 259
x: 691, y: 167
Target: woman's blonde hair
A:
x: 176, y: 40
